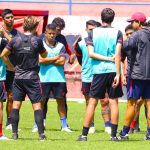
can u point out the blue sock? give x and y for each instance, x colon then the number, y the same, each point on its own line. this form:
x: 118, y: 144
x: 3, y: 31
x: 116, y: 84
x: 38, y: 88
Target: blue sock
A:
x: 125, y: 130
x: 92, y: 124
x: 63, y: 122
x: 148, y: 130
x: 107, y: 124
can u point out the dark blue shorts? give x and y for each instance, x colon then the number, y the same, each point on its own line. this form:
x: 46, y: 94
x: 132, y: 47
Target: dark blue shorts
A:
x: 9, y: 80
x: 2, y: 91
x: 138, y: 89
x: 31, y: 88
x: 86, y: 88
x: 58, y: 90
x: 102, y: 83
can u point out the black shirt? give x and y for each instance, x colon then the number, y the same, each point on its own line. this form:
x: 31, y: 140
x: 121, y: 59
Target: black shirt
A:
x: 26, y: 50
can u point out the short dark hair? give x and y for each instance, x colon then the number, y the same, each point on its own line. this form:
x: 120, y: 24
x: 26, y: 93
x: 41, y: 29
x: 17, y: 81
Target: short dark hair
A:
x: 148, y: 23
x: 128, y: 27
x: 30, y: 23
x: 5, y: 12
x: 98, y: 24
x: 93, y: 23
x: 51, y: 27
x: 59, y: 22
x: 107, y: 15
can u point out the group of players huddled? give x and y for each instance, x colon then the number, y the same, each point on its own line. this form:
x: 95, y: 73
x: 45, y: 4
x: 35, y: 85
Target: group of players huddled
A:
x: 33, y: 65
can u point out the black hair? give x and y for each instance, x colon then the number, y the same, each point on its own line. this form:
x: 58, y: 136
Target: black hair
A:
x: 51, y: 26
x: 59, y: 22
x: 148, y: 23
x: 107, y: 15
x: 93, y: 23
x: 98, y: 24
x: 128, y: 27
x: 5, y: 12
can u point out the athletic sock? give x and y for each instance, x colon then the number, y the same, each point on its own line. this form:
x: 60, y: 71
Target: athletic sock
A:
x: 133, y: 124
x: 148, y: 130
x: 114, y: 128
x: 38, y: 116
x: 92, y: 124
x: 107, y: 124
x: 63, y: 122
x: 15, y: 120
x: 125, y: 130
x: 85, y: 131
x: 1, y: 133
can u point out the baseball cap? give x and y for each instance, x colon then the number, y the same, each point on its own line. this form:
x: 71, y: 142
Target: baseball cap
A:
x: 137, y: 16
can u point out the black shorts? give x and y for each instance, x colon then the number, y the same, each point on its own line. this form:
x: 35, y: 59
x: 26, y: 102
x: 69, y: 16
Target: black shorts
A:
x: 2, y: 91
x: 86, y: 88
x: 31, y: 88
x: 58, y: 90
x: 102, y: 83
x: 9, y: 80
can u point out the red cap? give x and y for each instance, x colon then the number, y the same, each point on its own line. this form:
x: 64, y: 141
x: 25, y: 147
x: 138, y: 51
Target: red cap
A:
x: 137, y: 16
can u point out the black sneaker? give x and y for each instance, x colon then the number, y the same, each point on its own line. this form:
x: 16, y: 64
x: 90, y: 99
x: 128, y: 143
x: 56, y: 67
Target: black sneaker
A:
x: 115, y: 139
x: 123, y: 137
x: 147, y: 137
x: 15, y: 136
x: 82, y: 138
x: 42, y: 137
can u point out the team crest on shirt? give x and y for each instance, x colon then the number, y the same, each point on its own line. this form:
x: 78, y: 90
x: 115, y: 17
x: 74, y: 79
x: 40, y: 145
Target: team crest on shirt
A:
x: 34, y: 43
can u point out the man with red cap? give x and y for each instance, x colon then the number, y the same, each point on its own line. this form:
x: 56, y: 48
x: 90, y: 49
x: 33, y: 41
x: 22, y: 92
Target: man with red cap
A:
x: 138, y: 85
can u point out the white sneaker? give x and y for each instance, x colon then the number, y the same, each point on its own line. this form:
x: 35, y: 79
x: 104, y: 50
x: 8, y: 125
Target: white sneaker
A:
x: 108, y: 130
x: 92, y: 130
x: 66, y: 129
x: 3, y: 138
x: 35, y: 128
x: 9, y: 127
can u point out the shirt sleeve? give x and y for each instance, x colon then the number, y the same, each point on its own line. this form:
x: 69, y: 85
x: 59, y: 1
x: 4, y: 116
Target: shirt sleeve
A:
x: 78, y: 53
x: 10, y: 45
x: 41, y: 47
x: 90, y: 39
x: 63, y: 52
x: 120, y: 37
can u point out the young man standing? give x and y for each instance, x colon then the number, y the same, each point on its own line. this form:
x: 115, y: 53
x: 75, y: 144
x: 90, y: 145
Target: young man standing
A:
x: 138, y: 85
x: 104, y: 43
x: 26, y: 48
x: 8, y: 22
x: 52, y: 76
x: 86, y: 74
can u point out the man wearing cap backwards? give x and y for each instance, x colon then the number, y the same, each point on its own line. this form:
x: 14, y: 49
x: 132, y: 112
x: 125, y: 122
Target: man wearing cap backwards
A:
x: 139, y: 73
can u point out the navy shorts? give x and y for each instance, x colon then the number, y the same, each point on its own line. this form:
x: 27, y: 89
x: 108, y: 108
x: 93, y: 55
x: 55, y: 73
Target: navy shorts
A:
x: 2, y: 91
x: 9, y: 80
x: 30, y: 87
x: 86, y: 88
x: 58, y: 90
x: 102, y: 83
x: 138, y: 89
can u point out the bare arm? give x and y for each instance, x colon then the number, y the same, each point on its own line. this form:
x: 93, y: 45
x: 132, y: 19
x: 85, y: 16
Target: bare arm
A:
x: 5, y: 59
x: 60, y: 61
x: 48, y: 60
x: 4, y: 33
x: 98, y: 56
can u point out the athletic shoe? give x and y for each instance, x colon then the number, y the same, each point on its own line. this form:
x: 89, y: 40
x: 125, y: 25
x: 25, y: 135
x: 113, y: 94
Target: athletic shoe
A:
x: 42, y: 137
x: 35, y: 128
x: 131, y: 131
x: 82, y: 138
x: 137, y: 130
x: 3, y: 138
x: 91, y: 130
x: 15, y: 136
x: 115, y: 139
x: 108, y: 130
x: 67, y: 129
x: 123, y: 137
x: 9, y: 127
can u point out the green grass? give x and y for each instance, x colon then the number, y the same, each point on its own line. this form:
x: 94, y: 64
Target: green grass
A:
x: 57, y: 140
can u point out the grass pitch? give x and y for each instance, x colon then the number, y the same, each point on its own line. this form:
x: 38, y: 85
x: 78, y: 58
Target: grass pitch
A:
x: 57, y: 140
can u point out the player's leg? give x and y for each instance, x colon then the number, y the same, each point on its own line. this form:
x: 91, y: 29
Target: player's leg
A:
x: 134, y: 90
x: 2, y: 99
x: 85, y: 91
x: 105, y: 112
x: 34, y: 92
x: 135, y: 123
x: 97, y: 91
